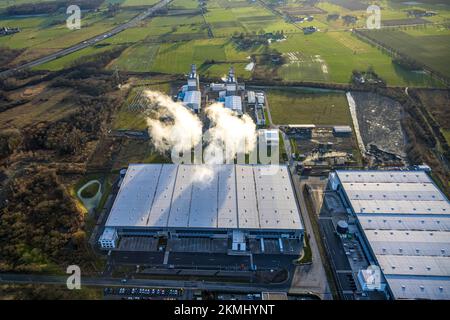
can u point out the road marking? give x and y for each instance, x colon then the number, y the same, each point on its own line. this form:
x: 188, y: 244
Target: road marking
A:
x: 166, y: 257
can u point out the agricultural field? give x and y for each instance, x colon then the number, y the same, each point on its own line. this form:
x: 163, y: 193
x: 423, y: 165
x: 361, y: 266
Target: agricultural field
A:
x: 70, y: 59
x: 9, y: 3
x: 429, y: 46
x: 305, y: 107
x: 169, y: 44
x: 138, y: 3
x: 136, y: 58
x: 45, y: 34
x: 163, y: 29
x: 184, y: 4
x: 227, y: 18
x: 131, y: 114
x: 332, y: 57
x: 392, y: 12
x: 177, y: 57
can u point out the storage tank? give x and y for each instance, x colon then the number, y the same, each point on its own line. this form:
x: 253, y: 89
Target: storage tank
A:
x: 342, y: 227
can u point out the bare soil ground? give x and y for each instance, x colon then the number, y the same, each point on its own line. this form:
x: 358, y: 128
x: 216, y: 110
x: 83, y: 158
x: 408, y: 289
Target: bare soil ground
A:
x: 44, y: 105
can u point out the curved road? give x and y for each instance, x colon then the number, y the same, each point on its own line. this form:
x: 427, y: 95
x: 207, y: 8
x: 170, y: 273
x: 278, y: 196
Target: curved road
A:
x: 87, y: 43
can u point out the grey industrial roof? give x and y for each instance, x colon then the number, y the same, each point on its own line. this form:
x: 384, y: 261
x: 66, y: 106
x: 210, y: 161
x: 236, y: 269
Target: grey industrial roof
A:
x: 406, y: 221
x: 415, y: 265
x: 234, y: 103
x: 342, y: 129
x: 437, y: 288
x: 383, y: 176
x: 192, y: 98
x: 413, y: 243
x: 234, y: 196
x: 393, y: 192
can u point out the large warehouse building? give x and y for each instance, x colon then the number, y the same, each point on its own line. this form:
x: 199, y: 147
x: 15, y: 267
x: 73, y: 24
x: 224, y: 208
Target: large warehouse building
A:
x: 404, y: 221
x: 235, y: 202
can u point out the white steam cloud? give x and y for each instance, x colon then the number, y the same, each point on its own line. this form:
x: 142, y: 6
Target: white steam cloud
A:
x: 182, y: 133
x: 228, y: 135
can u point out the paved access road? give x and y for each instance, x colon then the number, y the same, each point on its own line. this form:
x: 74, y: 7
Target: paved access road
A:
x: 87, y: 43
x: 152, y: 283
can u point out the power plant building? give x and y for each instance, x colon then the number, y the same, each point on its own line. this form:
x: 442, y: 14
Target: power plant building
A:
x: 233, y: 100
x: 404, y: 221
x: 192, y: 96
x: 235, y: 202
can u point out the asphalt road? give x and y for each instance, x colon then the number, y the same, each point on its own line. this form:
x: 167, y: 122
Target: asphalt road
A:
x: 87, y: 43
x: 312, y: 277
x: 151, y: 283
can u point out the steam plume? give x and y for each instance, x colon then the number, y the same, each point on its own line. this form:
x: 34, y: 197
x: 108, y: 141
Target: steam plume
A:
x: 182, y: 133
x: 227, y: 136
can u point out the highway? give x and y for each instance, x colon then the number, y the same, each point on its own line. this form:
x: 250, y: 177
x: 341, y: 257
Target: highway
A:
x: 87, y: 43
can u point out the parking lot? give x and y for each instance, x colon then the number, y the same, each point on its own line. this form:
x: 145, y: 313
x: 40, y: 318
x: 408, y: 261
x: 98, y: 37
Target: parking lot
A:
x: 144, y: 293
x: 198, y: 245
x: 138, y: 244
x: 272, y: 246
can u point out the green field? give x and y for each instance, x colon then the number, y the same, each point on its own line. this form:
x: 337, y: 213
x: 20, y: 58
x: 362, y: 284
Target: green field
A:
x: 128, y: 117
x: 52, y: 32
x: 132, y: 3
x: 229, y: 17
x: 137, y: 58
x: 170, y: 44
x: 177, y: 57
x: 67, y: 61
x: 429, y: 46
x: 184, y: 4
x: 9, y: 3
x: 300, y: 107
x: 332, y: 57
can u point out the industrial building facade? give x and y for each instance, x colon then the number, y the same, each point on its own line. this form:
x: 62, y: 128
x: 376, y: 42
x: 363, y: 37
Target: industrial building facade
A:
x: 404, y: 222
x: 191, y: 95
x: 235, y: 202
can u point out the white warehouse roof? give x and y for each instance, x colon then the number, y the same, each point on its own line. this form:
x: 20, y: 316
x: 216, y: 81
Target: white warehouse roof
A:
x: 234, y: 196
x: 405, y: 219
